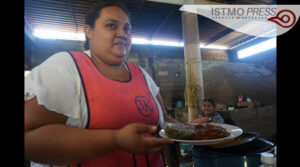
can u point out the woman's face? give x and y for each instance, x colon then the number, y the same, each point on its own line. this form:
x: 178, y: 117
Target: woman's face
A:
x: 110, y: 38
x: 208, y: 108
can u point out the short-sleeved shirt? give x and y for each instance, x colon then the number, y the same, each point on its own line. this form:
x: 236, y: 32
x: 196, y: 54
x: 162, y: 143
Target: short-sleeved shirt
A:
x: 215, y: 117
x: 57, y: 85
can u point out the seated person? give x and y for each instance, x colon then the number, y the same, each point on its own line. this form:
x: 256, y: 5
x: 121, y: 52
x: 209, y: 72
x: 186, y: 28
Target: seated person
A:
x: 208, y: 114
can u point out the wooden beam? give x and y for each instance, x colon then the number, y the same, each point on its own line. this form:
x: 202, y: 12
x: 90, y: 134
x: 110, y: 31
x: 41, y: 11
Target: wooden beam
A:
x: 176, y: 2
x: 162, y: 24
x: 72, y: 14
x: 219, y: 36
x: 184, y: 2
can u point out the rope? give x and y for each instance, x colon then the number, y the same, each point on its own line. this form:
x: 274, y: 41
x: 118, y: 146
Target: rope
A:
x: 191, y: 91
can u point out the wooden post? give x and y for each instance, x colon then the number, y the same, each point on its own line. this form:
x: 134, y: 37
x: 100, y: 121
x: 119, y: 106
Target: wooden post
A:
x: 192, y: 56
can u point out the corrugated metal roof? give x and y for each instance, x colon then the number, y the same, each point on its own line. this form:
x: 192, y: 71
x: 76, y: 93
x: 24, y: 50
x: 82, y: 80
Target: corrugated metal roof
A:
x: 149, y: 19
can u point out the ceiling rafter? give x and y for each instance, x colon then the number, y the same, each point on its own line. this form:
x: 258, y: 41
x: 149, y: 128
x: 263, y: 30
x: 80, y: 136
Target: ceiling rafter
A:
x: 162, y: 23
x: 149, y: 19
x: 72, y: 14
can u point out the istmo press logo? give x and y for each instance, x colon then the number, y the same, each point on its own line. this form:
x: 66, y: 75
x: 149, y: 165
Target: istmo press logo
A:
x: 256, y: 20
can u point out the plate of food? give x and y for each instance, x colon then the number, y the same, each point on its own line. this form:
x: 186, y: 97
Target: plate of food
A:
x: 199, y: 134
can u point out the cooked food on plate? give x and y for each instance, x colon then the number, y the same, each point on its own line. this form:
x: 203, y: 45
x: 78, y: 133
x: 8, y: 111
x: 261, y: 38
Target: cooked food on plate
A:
x: 196, y: 132
x: 208, y: 132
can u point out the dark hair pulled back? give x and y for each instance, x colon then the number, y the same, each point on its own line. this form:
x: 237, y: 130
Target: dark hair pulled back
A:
x: 211, y: 101
x: 94, y: 14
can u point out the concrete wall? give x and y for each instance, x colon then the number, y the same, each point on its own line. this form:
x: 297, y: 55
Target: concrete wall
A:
x: 44, y: 48
x: 266, y: 59
x: 261, y: 120
x: 167, y: 68
x: 164, y: 64
x: 225, y: 82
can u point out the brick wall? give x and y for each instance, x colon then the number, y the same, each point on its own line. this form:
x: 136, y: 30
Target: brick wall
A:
x: 168, y: 69
x: 164, y: 64
x: 266, y: 59
x: 44, y: 48
x: 211, y: 54
x: 261, y: 120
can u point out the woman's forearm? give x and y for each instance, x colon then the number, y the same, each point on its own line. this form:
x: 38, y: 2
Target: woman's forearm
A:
x: 58, y: 144
x: 170, y: 119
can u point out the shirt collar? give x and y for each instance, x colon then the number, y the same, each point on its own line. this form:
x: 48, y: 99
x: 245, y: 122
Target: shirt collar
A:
x: 88, y: 52
x: 203, y: 114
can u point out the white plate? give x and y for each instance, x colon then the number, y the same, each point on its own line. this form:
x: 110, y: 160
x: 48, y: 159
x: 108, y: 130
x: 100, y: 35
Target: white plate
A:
x: 233, y: 130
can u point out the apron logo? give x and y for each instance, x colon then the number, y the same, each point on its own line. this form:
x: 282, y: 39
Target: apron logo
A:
x: 144, y: 106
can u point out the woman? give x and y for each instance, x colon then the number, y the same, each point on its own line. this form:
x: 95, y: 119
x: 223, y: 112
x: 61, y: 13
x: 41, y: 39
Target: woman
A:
x: 94, y: 108
x: 208, y: 114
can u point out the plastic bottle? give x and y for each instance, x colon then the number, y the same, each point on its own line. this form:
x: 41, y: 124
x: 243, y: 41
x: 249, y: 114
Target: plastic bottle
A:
x: 249, y: 99
x: 240, y: 99
x: 267, y: 160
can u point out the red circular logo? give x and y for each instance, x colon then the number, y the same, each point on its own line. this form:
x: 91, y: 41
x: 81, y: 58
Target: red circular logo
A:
x: 284, y: 18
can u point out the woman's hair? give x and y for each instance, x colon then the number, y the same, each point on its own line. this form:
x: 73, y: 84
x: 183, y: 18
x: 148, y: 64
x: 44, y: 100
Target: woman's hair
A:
x: 94, y: 14
x: 210, y: 100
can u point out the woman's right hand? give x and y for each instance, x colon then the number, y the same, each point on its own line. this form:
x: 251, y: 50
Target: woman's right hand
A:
x: 130, y: 139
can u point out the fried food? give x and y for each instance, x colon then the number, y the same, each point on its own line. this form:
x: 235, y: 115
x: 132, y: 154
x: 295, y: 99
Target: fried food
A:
x: 179, y: 134
x: 196, y: 132
x: 208, y: 132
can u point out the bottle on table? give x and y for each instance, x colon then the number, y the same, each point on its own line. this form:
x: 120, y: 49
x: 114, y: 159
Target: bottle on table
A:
x: 240, y: 99
x: 267, y: 160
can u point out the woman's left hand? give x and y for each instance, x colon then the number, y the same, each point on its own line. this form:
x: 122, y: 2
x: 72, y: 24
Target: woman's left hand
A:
x: 130, y: 139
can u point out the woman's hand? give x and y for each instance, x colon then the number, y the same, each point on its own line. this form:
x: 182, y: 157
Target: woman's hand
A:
x: 130, y: 139
x: 200, y: 120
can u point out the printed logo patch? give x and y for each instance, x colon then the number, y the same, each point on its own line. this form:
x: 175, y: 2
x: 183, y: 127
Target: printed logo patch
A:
x: 144, y: 106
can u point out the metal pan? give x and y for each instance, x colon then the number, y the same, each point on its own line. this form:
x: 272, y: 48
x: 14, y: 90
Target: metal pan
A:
x: 245, y: 137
